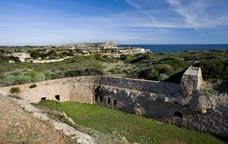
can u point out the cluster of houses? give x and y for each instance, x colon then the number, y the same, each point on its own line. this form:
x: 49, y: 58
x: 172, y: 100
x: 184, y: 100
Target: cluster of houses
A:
x: 106, y: 49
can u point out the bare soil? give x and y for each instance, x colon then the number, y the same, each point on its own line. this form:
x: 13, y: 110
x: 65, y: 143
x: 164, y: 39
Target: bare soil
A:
x: 18, y: 126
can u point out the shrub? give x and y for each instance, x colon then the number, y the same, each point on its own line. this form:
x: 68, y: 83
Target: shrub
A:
x: 116, y: 71
x: 9, y: 79
x: 39, y: 77
x: 22, y: 79
x: 35, y: 54
x: 58, y: 74
x: 162, y: 77
x: 52, y: 54
x: 32, y: 74
x: 105, y: 58
x: 214, y: 69
x: 158, y: 72
x: 127, y: 58
x: 48, y: 74
x: 36, y: 76
x: 83, y: 72
x: 32, y: 86
x: 16, y: 59
x: 67, y: 53
x: 176, y: 63
x: 15, y: 90
x: 165, y: 69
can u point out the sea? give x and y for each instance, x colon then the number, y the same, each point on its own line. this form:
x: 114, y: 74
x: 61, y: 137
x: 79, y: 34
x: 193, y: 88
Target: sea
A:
x: 174, y: 48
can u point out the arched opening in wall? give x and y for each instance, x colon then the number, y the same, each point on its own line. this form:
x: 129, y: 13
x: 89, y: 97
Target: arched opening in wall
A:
x: 95, y: 97
x: 109, y: 100
x: 115, y: 102
x: 43, y: 98
x: 178, y: 115
x: 101, y: 98
x: 57, y: 97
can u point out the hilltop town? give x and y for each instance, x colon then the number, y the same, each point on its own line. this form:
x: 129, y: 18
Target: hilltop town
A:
x: 46, y: 54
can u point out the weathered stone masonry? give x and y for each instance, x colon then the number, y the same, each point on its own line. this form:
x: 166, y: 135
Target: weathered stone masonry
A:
x: 181, y: 104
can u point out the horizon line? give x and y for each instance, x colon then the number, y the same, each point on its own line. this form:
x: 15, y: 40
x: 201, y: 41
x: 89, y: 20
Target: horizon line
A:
x: 117, y: 44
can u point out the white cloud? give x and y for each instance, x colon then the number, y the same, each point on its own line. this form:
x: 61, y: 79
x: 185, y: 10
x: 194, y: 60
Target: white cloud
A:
x: 187, y: 13
x: 197, y: 13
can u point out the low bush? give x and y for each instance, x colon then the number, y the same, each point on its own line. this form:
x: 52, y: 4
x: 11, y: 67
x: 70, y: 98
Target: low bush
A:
x: 105, y: 58
x: 214, y: 69
x: 32, y: 86
x: 158, y: 72
x: 21, y: 79
x: 36, y: 76
x: 83, y: 72
x: 15, y: 90
x: 176, y: 63
x: 127, y: 58
x: 116, y: 71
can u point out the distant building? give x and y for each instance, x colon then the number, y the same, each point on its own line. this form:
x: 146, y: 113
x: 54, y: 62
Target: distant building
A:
x: 11, y: 61
x: 22, y: 56
x: 109, y: 45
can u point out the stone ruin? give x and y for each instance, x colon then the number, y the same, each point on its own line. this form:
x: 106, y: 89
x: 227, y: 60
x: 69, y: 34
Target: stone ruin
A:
x: 183, y: 104
x: 191, y: 80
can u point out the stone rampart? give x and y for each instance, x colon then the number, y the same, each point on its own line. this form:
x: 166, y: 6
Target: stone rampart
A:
x: 206, y: 112
x: 60, y: 89
x: 181, y: 104
x: 78, y: 88
x: 169, y: 89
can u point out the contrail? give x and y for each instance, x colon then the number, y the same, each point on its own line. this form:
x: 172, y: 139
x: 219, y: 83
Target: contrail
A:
x: 139, y: 7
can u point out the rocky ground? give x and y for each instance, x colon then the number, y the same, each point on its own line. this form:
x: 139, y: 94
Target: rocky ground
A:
x: 18, y: 126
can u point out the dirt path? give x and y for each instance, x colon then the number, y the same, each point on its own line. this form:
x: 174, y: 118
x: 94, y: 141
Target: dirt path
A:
x: 18, y: 126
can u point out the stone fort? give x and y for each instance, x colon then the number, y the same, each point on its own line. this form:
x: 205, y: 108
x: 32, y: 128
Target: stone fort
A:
x: 183, y: 104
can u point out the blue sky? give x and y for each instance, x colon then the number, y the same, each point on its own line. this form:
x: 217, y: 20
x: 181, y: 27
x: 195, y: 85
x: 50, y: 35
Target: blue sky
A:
x: 38, y: 22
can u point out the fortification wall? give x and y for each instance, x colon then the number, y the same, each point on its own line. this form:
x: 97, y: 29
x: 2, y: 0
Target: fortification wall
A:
x: 60, y: 89
x: 181, y: 104
x: 170, y: 89
x: 81, y: 89
x: 161, y: 107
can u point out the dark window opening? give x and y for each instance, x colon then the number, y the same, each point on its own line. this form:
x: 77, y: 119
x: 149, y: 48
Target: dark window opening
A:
x: 178, y: 115
x: 109, y: 100
x: 101, y: 98
x: 57, y: 97
x: 115, y: 102
x: 43, y: 98
x: 95, y: 97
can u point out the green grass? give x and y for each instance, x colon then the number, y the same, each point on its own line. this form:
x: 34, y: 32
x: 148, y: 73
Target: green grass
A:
x: 134, y: 128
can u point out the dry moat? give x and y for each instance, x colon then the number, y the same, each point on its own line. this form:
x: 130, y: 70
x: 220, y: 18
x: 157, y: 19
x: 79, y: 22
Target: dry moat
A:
x: 183, y: 104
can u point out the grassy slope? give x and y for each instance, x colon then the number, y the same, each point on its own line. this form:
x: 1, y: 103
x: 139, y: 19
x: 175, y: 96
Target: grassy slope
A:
x: 134, y: 128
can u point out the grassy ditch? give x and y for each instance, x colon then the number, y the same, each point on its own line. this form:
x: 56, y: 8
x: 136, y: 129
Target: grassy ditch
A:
x: 134, y: 128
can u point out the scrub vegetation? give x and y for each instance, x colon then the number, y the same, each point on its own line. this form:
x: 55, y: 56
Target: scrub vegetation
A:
x: 151, y: 66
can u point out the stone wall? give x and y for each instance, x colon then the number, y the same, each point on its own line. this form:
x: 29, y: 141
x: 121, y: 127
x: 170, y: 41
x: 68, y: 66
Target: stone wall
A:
x: 181, y: 104
x: 167, y: 109
x: 169, y: 89
x: 191, y: 80
x: 51, y: 90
